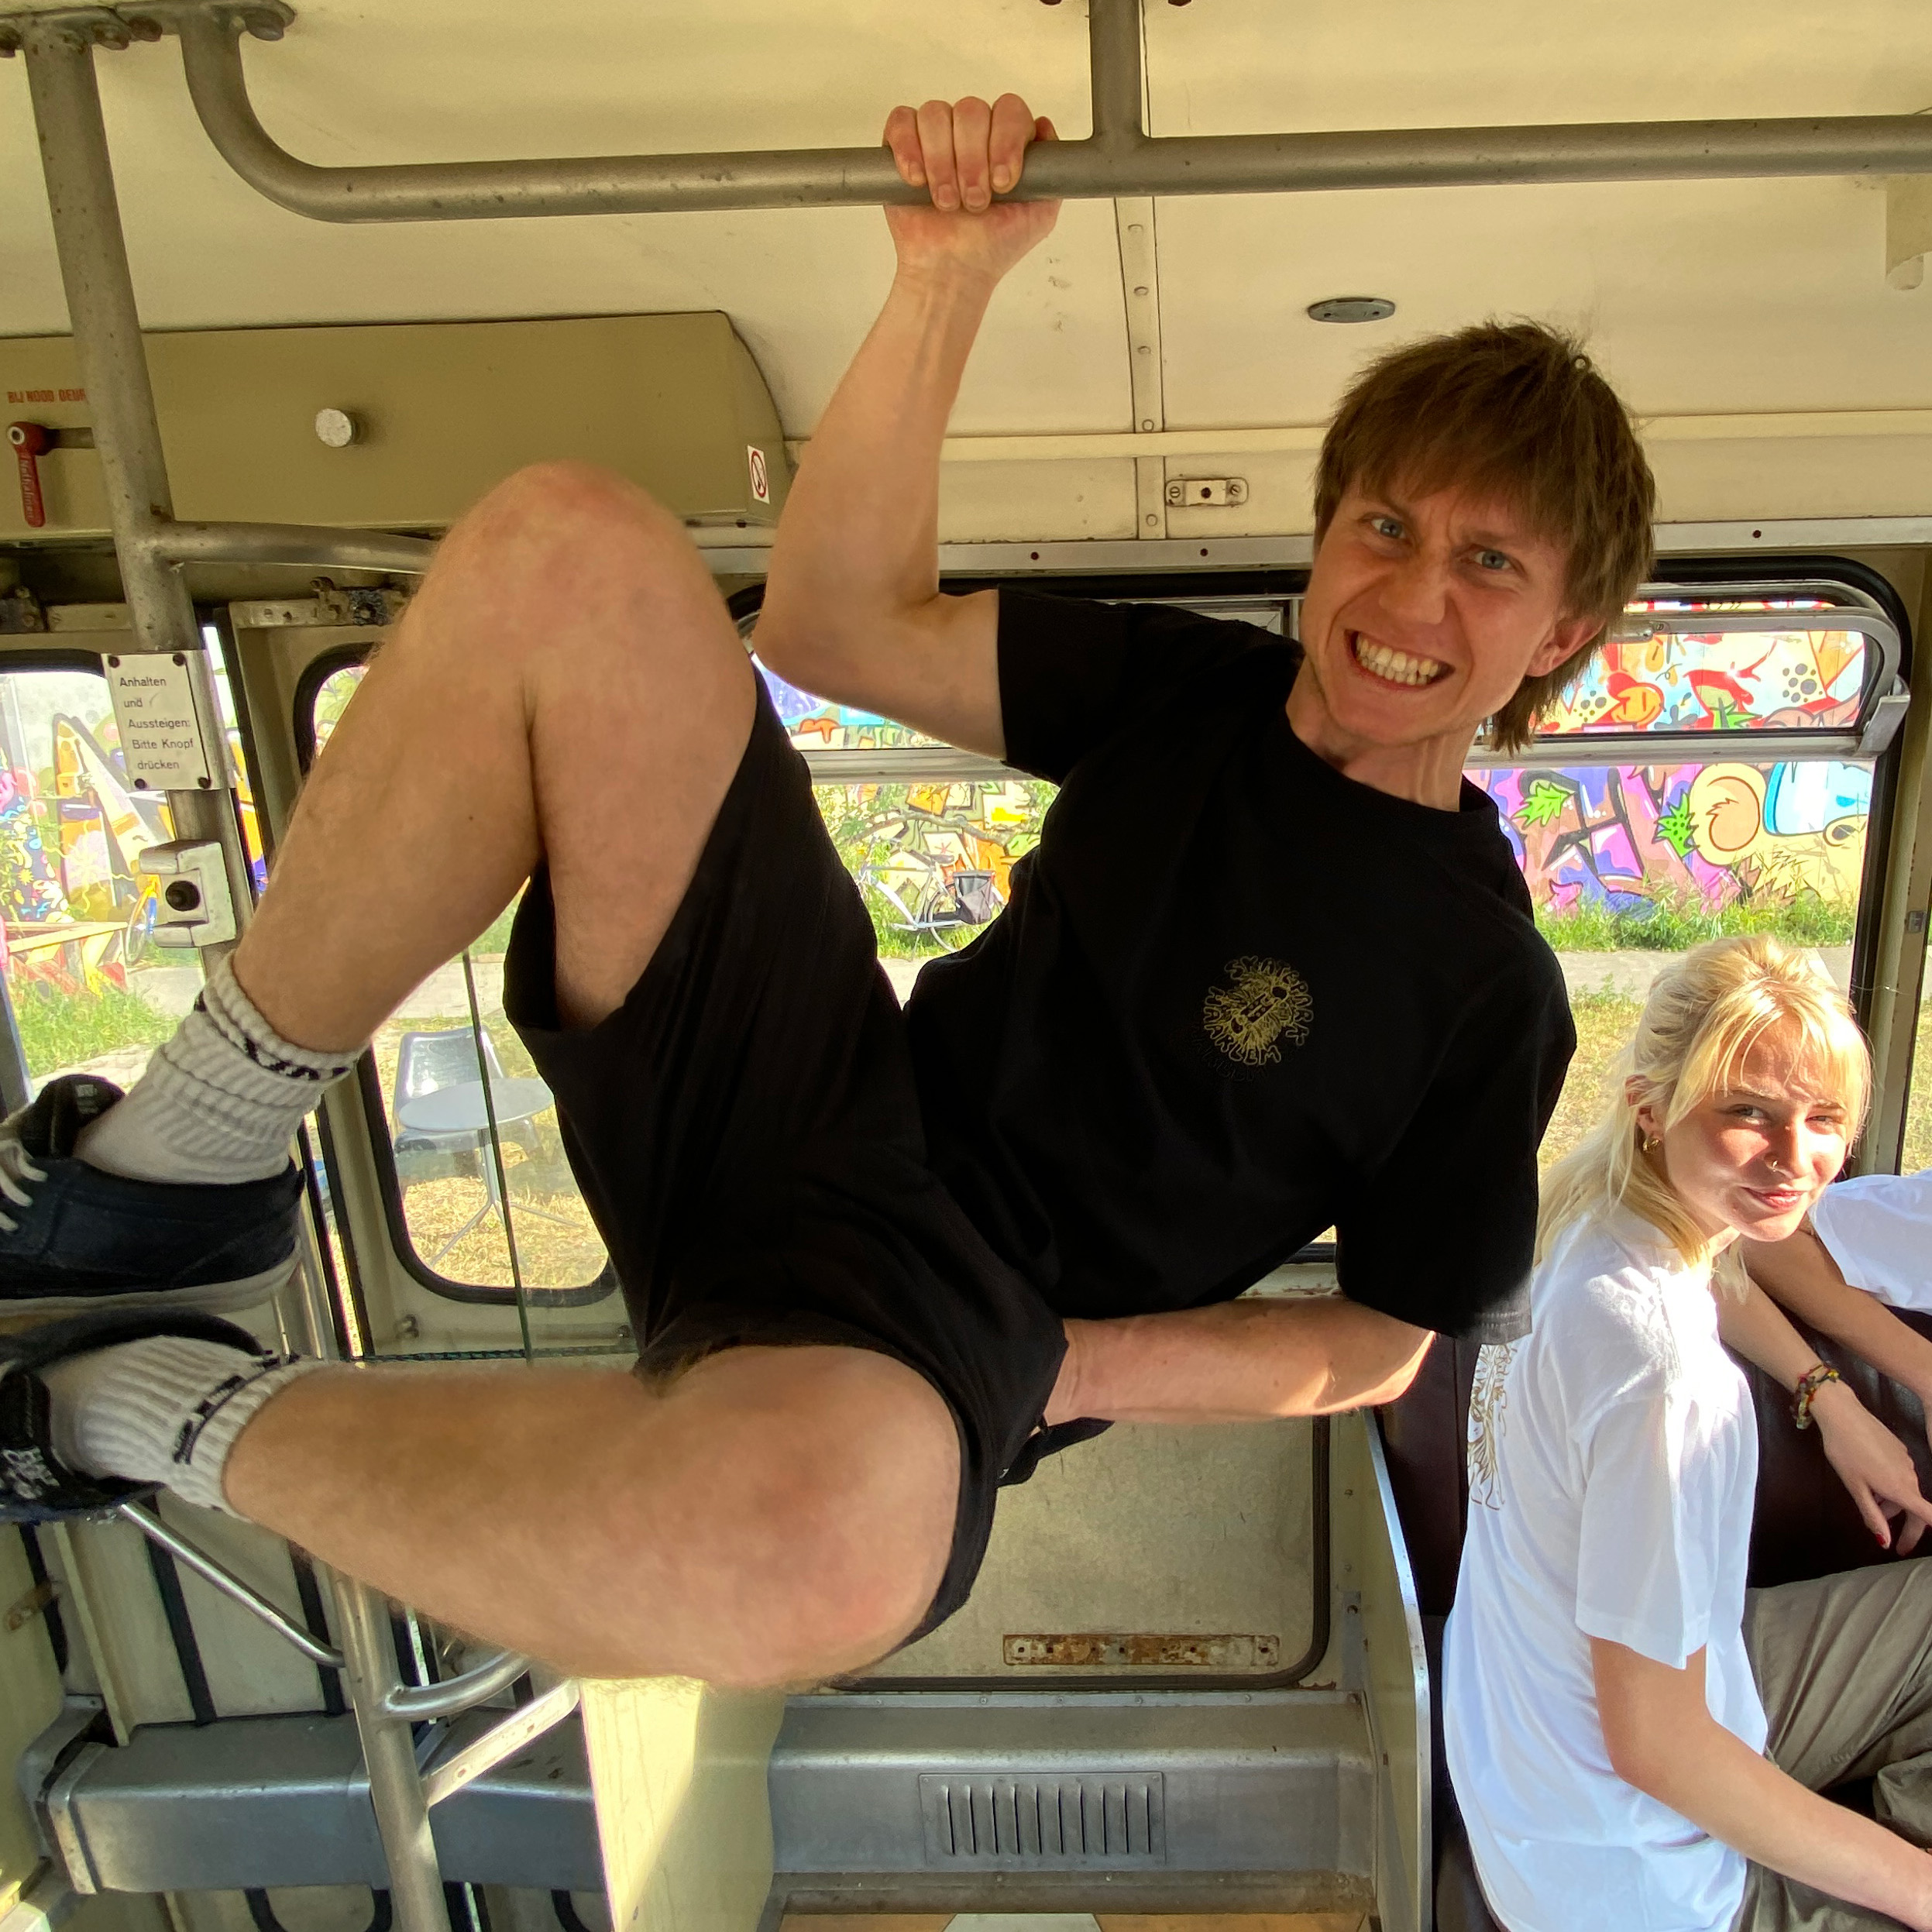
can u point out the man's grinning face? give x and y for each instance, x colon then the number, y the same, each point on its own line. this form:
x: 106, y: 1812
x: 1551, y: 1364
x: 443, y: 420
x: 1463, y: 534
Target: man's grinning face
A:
x: 1423, y: 615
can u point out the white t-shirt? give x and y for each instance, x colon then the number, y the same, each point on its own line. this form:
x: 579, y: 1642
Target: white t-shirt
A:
x: 1878, y: 1229
x: 1613, y: 1459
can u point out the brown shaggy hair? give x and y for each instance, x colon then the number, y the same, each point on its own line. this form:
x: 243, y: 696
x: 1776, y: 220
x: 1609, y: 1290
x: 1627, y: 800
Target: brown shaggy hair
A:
x: 1516, y: 412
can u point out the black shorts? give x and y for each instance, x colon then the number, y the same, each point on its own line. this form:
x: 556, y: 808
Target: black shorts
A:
x: 746, y: 1133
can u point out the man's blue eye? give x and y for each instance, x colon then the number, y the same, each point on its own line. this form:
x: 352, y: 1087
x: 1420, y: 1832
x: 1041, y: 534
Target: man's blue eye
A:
x: 1492, y: 560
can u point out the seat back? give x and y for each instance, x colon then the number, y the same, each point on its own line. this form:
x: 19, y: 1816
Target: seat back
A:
x: 1803, y: 1523
x: 426, y: 1062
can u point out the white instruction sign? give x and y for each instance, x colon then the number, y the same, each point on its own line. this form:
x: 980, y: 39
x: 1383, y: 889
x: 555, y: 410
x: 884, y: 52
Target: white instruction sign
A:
x: 161, y: 735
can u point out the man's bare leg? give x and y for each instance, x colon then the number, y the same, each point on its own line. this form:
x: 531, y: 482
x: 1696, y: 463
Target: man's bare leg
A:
x: 568, y: 687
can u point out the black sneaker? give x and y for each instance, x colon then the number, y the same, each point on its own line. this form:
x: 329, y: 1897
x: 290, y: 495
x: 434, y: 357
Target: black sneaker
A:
x: 35, y: 1485
x: 73, y: 1238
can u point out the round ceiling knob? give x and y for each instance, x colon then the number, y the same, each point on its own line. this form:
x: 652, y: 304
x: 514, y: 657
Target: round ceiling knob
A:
x: 337, y: 427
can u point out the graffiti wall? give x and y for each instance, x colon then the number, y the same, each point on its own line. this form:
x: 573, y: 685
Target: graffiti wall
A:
x: 71, y: 829
x: 1630, y: 837
x: 816, y: 724
x: 1717, y: 680
x: 933, y: 860
x: 75, y: 910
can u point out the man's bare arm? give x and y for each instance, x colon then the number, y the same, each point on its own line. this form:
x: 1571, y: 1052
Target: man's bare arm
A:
x: 852, y: 608
x: 1800, y: 1275
x: 1237, y: 1362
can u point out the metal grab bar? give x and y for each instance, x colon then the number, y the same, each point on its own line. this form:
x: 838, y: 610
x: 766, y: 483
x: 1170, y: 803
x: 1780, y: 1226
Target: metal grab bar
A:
x: 231, y: 1586
x: 450, y: 1698
x: 315, y: 545
x: 150, y: 547
x: 455, y: 1695
x: 1118, y: 159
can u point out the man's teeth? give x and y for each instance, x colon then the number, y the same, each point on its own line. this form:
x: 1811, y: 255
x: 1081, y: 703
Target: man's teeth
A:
x: 1397, y: 666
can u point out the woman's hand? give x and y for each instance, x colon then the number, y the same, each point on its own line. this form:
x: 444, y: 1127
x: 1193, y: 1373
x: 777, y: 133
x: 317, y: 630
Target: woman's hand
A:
x: 966, y: 153
x: 1873, y: 1464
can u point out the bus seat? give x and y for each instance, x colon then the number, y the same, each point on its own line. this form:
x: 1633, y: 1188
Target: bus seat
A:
x: 425, y: 1063
x: 1803, y: 1525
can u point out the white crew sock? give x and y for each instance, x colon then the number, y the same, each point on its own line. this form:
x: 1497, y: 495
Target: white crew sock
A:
x: 218, y: 1102
x: 166, y: 1409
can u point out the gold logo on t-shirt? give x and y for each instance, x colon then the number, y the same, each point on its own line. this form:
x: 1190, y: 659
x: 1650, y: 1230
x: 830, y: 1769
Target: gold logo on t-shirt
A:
x: 1266, y: 1002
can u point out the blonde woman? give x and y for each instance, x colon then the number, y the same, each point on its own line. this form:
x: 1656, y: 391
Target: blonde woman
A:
x: 1637, y: 1741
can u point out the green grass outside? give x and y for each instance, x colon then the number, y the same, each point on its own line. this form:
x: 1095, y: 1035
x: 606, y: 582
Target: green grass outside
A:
x: 493, y: 942
x: 1673, y: 926
x: 1916, y: 1153
x: 62, y: 1029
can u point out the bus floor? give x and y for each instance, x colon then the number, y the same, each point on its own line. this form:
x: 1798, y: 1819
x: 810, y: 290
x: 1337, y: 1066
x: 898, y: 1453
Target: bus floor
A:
x: 1077, y: 1922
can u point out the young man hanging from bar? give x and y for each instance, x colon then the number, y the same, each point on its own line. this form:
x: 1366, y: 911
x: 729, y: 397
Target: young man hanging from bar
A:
x: 877, y: 1263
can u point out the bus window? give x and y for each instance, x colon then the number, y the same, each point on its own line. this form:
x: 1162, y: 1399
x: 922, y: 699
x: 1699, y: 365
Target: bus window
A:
x: 482, y: 1189
x: 90, y: 992
x: 934, y: 860
x: 930, y: 835
x: 1630, y: 863
x: 932, y: 850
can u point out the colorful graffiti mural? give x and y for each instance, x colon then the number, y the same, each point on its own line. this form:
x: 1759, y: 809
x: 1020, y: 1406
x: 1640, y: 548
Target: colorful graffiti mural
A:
x: 933, y: 860
x: 71, y: 830
x: 818, y: 725
x: 1630, y: 837
x: 1718, y: 680
x: 75, y: 910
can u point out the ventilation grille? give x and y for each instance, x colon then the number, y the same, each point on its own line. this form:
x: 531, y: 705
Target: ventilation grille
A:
x: 1040, y: 1820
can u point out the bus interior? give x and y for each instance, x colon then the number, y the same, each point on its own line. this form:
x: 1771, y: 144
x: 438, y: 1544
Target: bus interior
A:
x: 283, y: 289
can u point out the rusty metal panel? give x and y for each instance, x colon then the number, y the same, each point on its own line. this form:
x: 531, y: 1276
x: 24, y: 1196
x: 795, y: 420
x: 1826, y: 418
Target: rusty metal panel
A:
x: 1148, y: 1650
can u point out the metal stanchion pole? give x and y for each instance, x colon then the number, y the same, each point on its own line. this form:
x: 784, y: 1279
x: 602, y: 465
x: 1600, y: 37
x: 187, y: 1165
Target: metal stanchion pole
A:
x: 113, y: 358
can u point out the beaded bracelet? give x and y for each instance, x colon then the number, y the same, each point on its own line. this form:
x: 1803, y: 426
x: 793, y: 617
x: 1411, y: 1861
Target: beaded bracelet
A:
x: 1808, y: 1384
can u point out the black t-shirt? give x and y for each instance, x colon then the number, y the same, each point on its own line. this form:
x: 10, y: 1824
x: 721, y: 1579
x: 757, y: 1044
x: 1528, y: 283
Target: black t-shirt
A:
x: 1236, y: 996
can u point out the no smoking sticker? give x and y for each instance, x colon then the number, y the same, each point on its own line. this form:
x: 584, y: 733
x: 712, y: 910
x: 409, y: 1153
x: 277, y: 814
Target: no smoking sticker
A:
x: 761, y: 477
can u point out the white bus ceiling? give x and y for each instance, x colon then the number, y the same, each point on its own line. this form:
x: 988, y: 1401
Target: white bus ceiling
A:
x: 1759, y: 299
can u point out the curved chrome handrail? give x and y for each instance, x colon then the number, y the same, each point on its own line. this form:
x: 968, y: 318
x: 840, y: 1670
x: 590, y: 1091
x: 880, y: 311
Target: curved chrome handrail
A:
x: 1118, y: 159
x: 454, y: 1695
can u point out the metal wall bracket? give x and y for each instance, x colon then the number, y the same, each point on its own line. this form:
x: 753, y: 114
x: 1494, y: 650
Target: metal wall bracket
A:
x: 1209, y: 493
x: 445, y: 1776
x: 119, y: 26
x: 197, y: 908
x: 83, y: 26
x: 1883, y: 722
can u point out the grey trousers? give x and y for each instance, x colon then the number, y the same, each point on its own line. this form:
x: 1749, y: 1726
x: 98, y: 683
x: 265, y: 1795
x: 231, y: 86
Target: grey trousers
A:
x: 1844, y: 1667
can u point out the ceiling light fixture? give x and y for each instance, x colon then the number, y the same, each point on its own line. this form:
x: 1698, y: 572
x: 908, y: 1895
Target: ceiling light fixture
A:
x: 1352, y: 308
